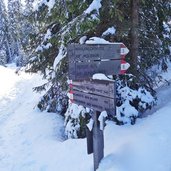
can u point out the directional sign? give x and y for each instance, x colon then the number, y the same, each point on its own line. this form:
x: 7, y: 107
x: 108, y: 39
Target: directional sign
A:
x: 84, y: 52
x: 98, y: 95
x: 124, y: 66
x: 101, y: 88
x: 98, y: 103
x: 87, y: 60
x: 85, y: 70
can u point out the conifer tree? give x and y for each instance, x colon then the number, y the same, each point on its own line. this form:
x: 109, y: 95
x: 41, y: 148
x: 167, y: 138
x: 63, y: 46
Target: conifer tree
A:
x: 15, y: 27
x: 28, y: 30
x: 67, y: 21
x: 4, y: 34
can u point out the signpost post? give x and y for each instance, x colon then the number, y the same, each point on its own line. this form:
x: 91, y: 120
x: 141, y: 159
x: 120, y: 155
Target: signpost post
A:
x: 98, y: 141
x: 84, y: 62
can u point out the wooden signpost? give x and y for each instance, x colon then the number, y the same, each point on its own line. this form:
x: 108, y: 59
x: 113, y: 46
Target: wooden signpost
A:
x: 84, y: 62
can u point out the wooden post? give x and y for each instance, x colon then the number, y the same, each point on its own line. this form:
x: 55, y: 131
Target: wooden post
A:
x: 89, y: 135
x: 98, y: 141
x: 84, y: 62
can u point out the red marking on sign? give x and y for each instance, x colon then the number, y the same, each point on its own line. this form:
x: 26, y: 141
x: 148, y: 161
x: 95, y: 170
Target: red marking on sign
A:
x: 71, y: 86
x: 124, y: 66
x: 70, y: 92
x: 122, y: 57
x: 123, y: 71
x: 71, y: 96
x: 122, y: 45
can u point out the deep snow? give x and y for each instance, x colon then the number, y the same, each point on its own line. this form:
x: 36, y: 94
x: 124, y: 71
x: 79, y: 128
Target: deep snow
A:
x: 31, y: 140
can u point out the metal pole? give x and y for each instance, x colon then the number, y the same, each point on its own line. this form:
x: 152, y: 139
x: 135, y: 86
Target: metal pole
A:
x: 98, y: 141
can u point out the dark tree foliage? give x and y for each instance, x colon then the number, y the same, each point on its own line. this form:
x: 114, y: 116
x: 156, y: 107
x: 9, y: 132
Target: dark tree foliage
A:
x: 147, y: 37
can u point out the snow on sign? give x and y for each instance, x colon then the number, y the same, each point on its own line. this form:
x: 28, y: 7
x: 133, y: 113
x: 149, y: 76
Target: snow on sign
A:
x: 86, y: 60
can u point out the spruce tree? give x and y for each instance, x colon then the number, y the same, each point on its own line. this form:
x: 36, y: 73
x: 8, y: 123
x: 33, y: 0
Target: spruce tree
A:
x: 15, y: 27
x: 67, y: 21
x: 4, y: 34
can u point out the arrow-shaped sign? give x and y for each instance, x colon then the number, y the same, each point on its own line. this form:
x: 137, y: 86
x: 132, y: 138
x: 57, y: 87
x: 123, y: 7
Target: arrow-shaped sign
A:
x: 124, y: 50
x: 87, y: 60
x: 84, y: 52
x: 124, y: 66
x: 98, y: 95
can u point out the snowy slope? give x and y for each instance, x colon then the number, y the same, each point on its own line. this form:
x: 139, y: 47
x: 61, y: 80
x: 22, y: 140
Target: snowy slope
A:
x: 33, y: 141
x: 142, y: 147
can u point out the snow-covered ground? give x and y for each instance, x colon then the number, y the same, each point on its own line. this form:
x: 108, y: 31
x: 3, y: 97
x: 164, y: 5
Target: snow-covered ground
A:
x: 31, y: 140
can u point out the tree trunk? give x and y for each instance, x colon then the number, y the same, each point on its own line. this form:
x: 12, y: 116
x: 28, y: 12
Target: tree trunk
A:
x: 134, y: 35
x: 8, y: 51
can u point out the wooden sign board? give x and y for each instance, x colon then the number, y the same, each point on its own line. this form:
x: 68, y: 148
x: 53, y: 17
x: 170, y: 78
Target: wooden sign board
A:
x: 87, y: 60
x: 98, y: 103
x: 98, y: 87
x: 85, y: 70
x: 87, y: 52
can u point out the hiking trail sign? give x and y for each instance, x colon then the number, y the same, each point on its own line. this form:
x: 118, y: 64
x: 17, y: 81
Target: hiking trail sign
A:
x: 85, y: 61
x: 95, y: 94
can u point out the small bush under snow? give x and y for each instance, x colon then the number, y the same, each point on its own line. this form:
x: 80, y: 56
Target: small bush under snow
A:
x: 131, y: 103
x: 75, y: 121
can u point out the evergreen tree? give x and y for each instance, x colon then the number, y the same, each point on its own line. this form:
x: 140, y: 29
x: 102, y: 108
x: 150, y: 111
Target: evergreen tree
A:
x: 4, y: 34
x: 28, y: 30
x: 69, y: 20
x: 153, y: 45
x: 15, y: 27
